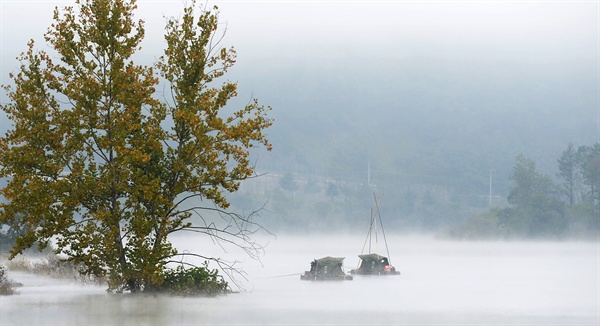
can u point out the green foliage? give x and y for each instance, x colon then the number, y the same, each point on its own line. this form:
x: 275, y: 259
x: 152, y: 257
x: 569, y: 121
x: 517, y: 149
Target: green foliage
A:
x: 541, y: 208
x: 88, y: 162
x: 567, y: 165
x: 538, y: 210
x: 193, y: 281
x: 589, y: 161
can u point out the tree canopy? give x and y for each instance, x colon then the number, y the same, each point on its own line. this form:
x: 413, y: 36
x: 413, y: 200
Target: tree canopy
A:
x: 104, y: 171
x: 537, y: 208
x: 541, y: 207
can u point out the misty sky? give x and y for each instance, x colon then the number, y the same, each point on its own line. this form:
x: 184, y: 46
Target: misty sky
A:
x: 334, y: 51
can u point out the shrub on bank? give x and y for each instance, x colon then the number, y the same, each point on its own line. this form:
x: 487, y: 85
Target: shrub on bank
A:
x: 6, y: 285
x: 482, y: 226
x: 198, y: 280
x: 182, y: 281
x: 54, y: 267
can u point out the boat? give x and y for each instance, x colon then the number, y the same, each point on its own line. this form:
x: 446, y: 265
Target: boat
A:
x: 326, y: 269
x: 372, y: 263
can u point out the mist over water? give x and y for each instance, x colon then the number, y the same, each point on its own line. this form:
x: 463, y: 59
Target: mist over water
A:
x: 442, y: 282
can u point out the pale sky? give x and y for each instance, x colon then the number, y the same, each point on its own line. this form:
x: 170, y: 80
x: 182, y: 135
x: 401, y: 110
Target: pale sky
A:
x: 277, y: 40
x: 291, y: 30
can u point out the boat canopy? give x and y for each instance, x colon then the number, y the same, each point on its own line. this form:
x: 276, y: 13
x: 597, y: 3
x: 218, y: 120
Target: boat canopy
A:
x: 327, y: 266
x: 373, y: 262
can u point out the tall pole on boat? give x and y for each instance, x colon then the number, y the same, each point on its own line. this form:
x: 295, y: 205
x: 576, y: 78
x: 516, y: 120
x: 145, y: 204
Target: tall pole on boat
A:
x: 387, y: 250
x: 371, y: 230
x: 375, y: 228
x: 368, y: 238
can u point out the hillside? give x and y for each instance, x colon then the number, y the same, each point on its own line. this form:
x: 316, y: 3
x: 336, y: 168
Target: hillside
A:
x: 431, y: 130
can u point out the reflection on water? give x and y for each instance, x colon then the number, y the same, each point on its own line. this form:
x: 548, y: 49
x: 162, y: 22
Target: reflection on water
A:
x: 441, y: 282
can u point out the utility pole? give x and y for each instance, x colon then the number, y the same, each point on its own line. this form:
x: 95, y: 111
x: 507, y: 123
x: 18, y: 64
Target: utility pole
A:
x: 490, y: 188
x: 369, y: 173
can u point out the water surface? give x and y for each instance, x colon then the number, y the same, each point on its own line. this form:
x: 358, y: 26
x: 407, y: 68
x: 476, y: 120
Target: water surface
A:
x: 442, y: 282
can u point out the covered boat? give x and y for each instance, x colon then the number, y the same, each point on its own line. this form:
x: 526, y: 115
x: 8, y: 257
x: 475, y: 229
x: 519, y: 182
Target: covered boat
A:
x: 326, y: 269
x: 374, y: 264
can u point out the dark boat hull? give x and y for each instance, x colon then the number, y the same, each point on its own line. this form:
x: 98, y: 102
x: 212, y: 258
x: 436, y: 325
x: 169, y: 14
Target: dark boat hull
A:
x: 311, y: 277
x: 359, y: 272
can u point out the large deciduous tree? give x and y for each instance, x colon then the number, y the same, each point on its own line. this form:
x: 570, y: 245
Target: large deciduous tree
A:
x: 101, y: 168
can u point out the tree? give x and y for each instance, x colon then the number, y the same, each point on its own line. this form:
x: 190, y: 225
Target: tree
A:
x: 537, y: 209
x: 9, y: 234
x: 92, y: 166
x: 567, y: 165
x: 332, y: 190
x: 287, y: 182
x: 589, y: 159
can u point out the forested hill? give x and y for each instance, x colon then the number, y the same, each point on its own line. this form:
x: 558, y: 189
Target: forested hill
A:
x: 430, y: 129
x: 452, y: 122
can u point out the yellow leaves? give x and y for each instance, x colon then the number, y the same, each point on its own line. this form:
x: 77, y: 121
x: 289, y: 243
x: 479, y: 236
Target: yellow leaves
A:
x: 133, y: 155
x: 89, y: 137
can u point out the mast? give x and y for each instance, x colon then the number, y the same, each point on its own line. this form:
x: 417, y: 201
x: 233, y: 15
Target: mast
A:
x: 375, y: 216
x: 387, y: 250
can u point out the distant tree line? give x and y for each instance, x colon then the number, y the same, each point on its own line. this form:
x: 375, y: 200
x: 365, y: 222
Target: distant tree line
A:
x: 541, y: 206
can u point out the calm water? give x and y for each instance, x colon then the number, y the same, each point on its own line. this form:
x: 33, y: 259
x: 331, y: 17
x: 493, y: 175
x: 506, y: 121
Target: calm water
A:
x: 442, y: 282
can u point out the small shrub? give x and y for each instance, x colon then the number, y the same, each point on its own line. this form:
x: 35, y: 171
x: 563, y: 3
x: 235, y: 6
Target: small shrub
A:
x: 53, y: 267
x: 6, y: 285
x: 198, y: 280
x: 479, y: 227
